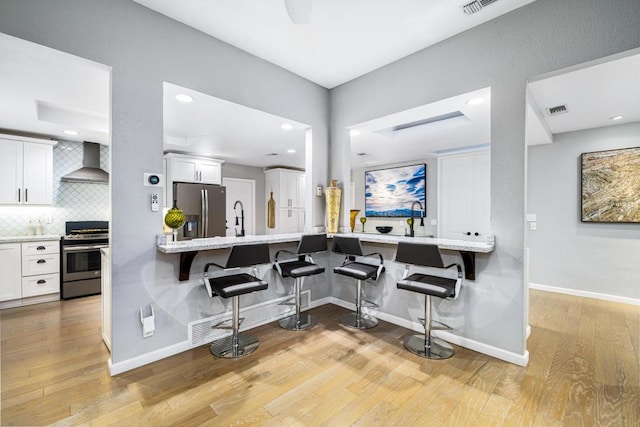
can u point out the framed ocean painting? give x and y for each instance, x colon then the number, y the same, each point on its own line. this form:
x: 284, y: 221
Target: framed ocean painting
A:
x: 610, y: 186
x: 391, y: 192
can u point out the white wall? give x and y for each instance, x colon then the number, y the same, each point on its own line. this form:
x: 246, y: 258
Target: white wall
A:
x: 565, y: 252
x: 145, y: 49
x: 502, y: 54
x: 399, y: 224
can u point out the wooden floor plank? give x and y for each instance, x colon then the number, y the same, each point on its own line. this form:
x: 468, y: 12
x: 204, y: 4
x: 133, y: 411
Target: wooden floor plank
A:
x: 54, y: 373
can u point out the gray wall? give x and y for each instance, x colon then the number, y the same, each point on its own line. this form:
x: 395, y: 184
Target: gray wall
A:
x: 543, y: 36
x: 567, y: 253
x: 145, y: 49
x: 231, y: 170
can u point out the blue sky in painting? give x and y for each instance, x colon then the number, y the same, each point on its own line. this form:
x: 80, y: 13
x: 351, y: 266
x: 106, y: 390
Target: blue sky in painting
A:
x: 390, y: 192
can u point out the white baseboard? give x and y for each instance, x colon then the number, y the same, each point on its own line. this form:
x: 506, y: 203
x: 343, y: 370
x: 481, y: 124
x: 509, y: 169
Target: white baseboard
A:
x: 29, y: 301
x: 585, y: 294
x: 498, y: 353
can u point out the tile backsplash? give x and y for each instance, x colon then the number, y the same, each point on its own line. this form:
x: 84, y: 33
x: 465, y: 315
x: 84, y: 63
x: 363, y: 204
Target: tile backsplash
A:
x: 72, y: 201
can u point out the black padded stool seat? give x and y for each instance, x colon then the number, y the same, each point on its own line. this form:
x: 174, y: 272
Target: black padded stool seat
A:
x: 358, y: 270
x: 436, y: 286
x: 442, y: 287
x: 299, y: 268
x: 232, y: 286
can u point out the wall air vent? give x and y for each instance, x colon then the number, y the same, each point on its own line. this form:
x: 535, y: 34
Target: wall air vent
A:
x: 475, y: 6
x: 557, y: 110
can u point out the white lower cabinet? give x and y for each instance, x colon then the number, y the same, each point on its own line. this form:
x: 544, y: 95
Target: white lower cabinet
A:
x: 10, y: 271
x: 29, y: 269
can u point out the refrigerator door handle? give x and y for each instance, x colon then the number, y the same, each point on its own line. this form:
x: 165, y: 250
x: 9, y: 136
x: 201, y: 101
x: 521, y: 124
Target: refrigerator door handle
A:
x: 205, y: 207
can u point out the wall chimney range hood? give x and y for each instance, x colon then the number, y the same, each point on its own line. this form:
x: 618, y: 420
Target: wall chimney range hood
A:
x: 90, y: 171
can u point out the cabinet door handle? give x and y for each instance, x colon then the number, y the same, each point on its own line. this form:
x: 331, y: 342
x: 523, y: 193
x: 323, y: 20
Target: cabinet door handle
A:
x: 26, y: 195
x: 41, y: 261
x: 41, y: 282
x: 19, y: 198
x: 468, y: 233
x: 40, y: 248
x: 476, y: 233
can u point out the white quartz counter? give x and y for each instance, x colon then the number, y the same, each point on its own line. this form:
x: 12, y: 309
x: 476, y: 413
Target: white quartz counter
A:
x: 34, y: 238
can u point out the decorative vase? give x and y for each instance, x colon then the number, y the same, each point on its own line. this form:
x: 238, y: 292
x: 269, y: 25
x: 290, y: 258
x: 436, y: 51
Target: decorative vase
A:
x: 333, y: 206
x: 353, y: 213
x: 175, y: 219
x: 271, y: 212
x: 363, y: 219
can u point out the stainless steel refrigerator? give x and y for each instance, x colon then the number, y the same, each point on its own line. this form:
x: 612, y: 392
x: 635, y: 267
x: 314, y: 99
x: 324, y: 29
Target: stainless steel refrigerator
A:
x: 204, y: 206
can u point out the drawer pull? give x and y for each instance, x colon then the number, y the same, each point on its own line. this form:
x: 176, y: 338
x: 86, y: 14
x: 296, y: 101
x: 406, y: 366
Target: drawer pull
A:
x: 40, y: 248
x: 41, y: 281
x: 41, y: 261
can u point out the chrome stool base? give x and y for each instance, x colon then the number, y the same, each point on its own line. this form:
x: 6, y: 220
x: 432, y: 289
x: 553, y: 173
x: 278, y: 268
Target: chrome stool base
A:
x: 300, y: 322
x: 439, y: 349
x: 352, y: 320
x: 224, y: 347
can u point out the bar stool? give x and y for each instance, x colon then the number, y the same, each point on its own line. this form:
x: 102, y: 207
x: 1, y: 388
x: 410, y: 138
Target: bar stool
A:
x: 442, y: 287
x: 360, y: 269
x: 232, y: 286
x: 299, y: 268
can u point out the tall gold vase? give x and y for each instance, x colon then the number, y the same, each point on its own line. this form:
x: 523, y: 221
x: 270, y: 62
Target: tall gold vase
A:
x: 333, y: 206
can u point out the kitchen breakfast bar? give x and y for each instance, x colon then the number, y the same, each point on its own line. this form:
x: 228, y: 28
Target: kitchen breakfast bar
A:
x: 188, y: 249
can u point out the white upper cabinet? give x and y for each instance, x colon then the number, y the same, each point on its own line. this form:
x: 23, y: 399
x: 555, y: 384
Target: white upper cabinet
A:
x: 26, y: 171
x: 464, y: 190
x: 182, y: 168
x: 288, y: 192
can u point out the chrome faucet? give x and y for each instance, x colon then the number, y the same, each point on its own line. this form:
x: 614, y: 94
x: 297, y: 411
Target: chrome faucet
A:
x: 241, y: 223
x: 411, y: 232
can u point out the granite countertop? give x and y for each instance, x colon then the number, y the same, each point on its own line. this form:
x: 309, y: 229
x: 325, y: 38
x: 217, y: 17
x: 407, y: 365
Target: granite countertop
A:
x: 34, y: 238
x: 457, y: 245
x: 227, y: 242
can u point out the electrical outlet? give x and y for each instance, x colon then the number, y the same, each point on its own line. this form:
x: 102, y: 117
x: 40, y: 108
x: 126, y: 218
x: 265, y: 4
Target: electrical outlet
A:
x: 533, y: 226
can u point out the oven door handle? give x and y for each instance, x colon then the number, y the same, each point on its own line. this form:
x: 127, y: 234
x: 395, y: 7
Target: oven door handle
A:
x: 83, y: 248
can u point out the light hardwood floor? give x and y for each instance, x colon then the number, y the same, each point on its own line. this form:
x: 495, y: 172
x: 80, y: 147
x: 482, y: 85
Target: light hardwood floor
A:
x: 583, y: 370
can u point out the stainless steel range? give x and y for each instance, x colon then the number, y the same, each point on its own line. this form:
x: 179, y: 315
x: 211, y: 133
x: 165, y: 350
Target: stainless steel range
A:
x: 80, y: 251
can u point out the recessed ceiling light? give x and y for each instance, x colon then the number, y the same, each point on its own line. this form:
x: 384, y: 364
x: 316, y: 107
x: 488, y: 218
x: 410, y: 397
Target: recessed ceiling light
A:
x: 616, y: 118
x: 71, y: 132
x: 475, y: 101
x: 286, y: 126
x: 291, y: 150
x: 183, y: 97
x: 354, y: 132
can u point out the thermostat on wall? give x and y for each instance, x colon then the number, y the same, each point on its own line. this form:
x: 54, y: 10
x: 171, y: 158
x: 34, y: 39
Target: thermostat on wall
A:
x: 153, y: 180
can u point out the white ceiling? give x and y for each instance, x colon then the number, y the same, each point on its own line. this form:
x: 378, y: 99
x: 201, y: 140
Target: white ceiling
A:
x: 45, y: 91
x: 344, y: 39
x: 214, y: 127
x: 377, y: 143
x: 593, y: 93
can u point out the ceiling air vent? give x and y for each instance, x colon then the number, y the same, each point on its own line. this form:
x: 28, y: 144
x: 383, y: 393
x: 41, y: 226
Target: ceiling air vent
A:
x: 475, y: 6
x: 557, y: 110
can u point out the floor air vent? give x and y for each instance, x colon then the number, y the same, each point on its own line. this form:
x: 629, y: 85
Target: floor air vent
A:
x: 201, y: 331
x: 475, y: 6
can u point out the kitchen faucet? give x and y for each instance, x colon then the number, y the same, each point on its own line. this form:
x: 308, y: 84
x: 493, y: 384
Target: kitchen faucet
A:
x: 411, y: 232
x: 241, y: 234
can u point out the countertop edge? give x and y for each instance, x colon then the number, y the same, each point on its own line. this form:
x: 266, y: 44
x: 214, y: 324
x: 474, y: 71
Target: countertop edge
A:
x: 226, y: 242
x: 34, y: 238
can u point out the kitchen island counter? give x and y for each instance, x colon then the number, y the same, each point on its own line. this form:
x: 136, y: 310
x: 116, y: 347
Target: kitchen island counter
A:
x: 188, y: 249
